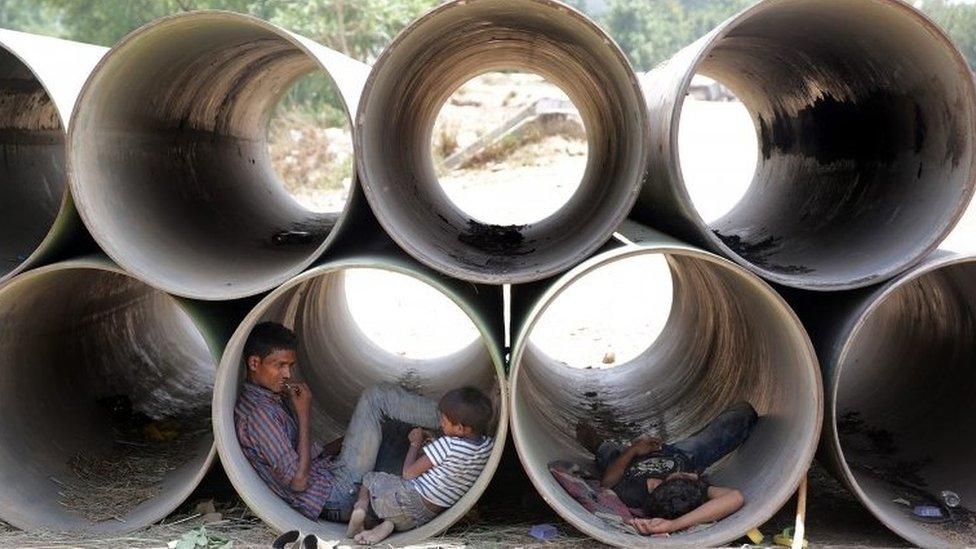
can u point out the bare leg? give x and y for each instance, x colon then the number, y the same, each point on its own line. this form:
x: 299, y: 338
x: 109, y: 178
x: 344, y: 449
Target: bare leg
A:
x: 376, y: 535
x: 358, y: 517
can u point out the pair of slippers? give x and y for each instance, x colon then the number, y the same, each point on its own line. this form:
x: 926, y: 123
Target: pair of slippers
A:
x: 293, y: 540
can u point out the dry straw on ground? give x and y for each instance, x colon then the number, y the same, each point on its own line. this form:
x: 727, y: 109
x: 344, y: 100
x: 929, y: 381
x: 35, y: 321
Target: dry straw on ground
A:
x: 109, y: 484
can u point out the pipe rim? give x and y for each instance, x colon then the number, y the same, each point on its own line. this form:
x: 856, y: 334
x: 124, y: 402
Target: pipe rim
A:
x: 66, y: 207
x: 534, y: 274
x: 912, y: 535
x: 704, y: 229
x: 226, y: 384
x: 88, y: 217
x: 12, y: 515
x: 633, y: 250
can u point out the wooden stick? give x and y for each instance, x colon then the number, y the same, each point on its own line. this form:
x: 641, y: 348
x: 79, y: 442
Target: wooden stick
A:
x: 801, y: 514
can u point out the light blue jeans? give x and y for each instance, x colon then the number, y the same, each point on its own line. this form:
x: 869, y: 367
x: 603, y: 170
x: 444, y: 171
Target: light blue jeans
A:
x: 364, y: 435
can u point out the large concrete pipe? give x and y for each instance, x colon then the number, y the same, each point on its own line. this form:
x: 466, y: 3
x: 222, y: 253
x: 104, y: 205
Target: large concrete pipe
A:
x: 102, y: 376
x: 728, y: 337
x: 898, y: 378
x: 866, y: 119
x: 40, y: 78
x: 169, y: 161
x: 420, y: 70
x: 339, y: 361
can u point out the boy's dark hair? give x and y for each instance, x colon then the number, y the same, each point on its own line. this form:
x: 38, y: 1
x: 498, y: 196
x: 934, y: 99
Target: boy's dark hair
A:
x: 469, y: 407
x: 675, y: 497
x: 268, y: 337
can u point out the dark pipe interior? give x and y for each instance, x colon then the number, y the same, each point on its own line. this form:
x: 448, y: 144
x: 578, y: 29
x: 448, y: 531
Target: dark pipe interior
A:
x: 421, y: 70
x: 726, y: 340
x: 865, y: 121
x: 70, y: 338
x: 32, y: 173
x: 910, y: 435
x: 175, y: 178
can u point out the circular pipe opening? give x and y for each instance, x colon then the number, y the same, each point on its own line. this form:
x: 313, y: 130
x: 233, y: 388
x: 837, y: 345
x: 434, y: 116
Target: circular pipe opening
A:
x: 728, y: 338
x: 608, y: 317
x: 426, y: 63
x: 339, y: 362
x: 32, y: 143
x: 509, y: 148
x: 384, y: 305
x: 910, y: 438
x: 110, y: 381
x: 865, y: 115
x: 169, y: 156
x: 310, y: 143
x: 718, y: 147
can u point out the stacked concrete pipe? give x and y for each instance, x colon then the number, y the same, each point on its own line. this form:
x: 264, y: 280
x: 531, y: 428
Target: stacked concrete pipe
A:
x: 40, y: 78
x: 729, y: 337
x: 78, y: 331
x: 339, y: 362
x: 866, y: 120
x: 169, y: 162
x: 897, y: 363
x: 419, y: 71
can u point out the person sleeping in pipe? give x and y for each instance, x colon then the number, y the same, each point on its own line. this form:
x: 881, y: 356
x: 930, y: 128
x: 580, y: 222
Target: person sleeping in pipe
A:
x: 667, y: 481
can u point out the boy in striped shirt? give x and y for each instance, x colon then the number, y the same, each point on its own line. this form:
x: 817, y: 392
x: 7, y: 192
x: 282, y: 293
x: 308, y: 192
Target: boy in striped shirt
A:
x: 435, y: 475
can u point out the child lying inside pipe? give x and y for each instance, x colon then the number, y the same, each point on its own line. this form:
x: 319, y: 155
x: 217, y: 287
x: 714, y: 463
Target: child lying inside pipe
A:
x: 436, y: 473
x: 666, y: 482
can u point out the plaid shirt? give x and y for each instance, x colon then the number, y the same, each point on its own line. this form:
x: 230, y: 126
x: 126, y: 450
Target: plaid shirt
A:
x: 268, y: 434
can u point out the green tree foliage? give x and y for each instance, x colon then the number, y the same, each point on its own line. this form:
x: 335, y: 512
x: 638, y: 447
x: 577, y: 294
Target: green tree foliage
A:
x: 27, y: 16
x: 651, y: 31
x: 958, y: 19
x: 359, y: 28
x: 104, y: 22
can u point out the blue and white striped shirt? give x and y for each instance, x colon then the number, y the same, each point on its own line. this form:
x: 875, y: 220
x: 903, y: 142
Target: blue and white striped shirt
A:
x: 457, y: 463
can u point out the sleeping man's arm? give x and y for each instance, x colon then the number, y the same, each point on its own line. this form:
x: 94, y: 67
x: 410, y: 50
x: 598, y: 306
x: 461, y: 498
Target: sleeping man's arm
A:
x: 721, y: 503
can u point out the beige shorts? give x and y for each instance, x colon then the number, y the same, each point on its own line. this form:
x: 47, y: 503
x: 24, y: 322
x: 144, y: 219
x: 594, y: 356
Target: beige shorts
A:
x: 393, y: 498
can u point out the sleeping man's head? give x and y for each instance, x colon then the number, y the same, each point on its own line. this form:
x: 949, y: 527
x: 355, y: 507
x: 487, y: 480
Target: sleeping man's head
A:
x: 678, y: 494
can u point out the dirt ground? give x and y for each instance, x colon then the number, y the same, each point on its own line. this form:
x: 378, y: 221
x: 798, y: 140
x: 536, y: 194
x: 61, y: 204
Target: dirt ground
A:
x: 835, y: 519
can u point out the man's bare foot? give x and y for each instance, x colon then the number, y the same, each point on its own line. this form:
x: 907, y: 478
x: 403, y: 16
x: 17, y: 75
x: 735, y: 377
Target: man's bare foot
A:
x: 356, y: 521
x: 376, y: 535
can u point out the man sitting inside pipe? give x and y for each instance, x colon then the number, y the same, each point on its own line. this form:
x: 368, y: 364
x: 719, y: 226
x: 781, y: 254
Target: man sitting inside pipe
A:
x: 435, y: 475
x: 316, y: 482
x: 666, y: 481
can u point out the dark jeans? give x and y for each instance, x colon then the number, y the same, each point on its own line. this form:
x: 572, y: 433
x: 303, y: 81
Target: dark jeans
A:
x: 720, y: 437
